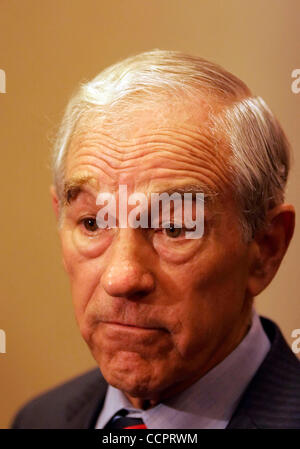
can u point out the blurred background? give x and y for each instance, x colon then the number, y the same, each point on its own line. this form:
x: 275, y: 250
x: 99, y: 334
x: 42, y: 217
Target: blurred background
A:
x: 46, y: 48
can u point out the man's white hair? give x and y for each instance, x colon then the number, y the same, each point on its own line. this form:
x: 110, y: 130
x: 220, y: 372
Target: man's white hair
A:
x: 259, y: 150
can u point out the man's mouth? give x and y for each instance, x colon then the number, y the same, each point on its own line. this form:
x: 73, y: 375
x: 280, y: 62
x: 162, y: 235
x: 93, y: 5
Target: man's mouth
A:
x: 131, y: 326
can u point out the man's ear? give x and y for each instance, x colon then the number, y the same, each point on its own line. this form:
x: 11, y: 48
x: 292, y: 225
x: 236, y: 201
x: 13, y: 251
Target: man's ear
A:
x: 55, y: 201
x: 269, y: 247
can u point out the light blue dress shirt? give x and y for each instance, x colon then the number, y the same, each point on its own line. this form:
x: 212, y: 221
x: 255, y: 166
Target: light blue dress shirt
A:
x: 211, y: 401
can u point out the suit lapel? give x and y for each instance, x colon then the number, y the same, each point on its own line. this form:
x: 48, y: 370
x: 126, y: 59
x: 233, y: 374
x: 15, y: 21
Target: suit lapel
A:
x: 271, y: 401
x: 82, y: 411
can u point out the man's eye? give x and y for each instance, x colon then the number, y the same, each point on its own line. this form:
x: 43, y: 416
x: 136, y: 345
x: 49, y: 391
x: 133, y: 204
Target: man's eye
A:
x: 90, y: 224
x: 173, y: 232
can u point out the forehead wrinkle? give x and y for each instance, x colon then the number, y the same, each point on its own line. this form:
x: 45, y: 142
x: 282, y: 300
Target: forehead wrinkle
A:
x: 173, y: 143
x: 90, y: 157
x: 156, y: 151
x: 188, y: 145
x: 213, y: 181
x: 188, y: 131
x: 182, y: 162
x: 194, y: 142
x: 160, y: 170
x: 146, y: 127
x: 183, y: 134
x: 105, y: 172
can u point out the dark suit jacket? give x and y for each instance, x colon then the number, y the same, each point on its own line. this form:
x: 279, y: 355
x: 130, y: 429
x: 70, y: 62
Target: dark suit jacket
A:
x: 271, y: 400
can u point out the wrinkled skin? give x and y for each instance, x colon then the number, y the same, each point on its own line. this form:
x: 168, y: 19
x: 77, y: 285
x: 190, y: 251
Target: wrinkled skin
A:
x: 159, y: 311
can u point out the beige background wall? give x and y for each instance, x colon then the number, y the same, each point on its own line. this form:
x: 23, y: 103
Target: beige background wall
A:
x: 46, y: 48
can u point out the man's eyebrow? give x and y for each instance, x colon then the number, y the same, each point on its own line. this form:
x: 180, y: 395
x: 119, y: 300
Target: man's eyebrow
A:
x: 74, y: 185
x: 210, y: 195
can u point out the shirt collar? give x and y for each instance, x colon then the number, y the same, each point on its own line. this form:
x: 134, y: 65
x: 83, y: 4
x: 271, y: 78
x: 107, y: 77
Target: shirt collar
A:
x: 210, y: 402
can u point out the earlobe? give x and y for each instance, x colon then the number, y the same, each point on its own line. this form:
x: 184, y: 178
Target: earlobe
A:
x: 55, y: 201
x: 269, y: 247
x: 256, y: 270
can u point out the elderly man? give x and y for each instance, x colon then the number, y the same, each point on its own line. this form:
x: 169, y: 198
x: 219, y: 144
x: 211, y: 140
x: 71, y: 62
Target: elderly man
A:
x: 169, y: 318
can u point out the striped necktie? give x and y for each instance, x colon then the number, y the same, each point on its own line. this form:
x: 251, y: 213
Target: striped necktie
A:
x: 121, y: 421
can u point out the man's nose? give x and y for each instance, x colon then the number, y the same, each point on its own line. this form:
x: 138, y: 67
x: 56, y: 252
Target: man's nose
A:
x: 127, y: 273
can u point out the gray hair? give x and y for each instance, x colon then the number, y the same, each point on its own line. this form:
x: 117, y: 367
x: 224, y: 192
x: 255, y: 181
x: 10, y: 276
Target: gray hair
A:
x: 259, y: 150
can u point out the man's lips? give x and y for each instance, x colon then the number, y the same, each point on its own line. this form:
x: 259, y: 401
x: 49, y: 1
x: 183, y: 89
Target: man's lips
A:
x: 132, y: 326
x: 123, y: 336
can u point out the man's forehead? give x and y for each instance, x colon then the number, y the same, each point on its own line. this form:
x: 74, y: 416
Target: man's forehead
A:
x: 142, y: 148
x: 149, y: 143
x: 125, y: 124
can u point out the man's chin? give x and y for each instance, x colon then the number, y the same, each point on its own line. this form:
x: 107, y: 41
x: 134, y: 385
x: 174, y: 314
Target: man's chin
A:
x: 132, y: 374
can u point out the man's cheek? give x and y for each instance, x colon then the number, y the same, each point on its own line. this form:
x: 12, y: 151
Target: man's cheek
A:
x: 69, y: 255
x: 85, y: 330
x: 82, y: 289
x: 192, y: 339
